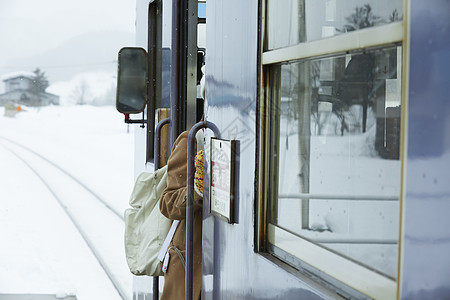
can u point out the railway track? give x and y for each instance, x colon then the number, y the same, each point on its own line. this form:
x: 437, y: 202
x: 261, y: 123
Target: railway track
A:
x: 100, y: 225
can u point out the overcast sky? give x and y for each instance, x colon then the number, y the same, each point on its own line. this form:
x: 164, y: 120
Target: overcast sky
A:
x: 33, y: 26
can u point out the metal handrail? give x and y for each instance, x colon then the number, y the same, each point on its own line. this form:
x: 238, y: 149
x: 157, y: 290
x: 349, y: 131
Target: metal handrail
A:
x: 157, y: 165
x: 337, y: 197
x: 190, y: 203
x: 158, y: 142
x: 358, y: 241
x: 337, y: 239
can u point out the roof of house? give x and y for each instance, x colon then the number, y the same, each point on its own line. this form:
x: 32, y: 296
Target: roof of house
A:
x: 18, y: 74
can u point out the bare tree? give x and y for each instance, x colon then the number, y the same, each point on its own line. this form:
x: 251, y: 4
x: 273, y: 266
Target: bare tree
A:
x: 363, y: 17
x: 394, y: 16
x: 81, y: 93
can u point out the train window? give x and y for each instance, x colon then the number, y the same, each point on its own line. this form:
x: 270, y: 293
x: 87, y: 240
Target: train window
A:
x: 202, y: 9
x: 292, y: 21
x: 331, y: 115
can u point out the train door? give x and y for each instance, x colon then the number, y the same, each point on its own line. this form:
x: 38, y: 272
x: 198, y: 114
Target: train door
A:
x: 159, y: 81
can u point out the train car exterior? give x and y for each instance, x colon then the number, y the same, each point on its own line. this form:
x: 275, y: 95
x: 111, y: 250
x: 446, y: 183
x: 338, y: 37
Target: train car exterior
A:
x: 340, y: 117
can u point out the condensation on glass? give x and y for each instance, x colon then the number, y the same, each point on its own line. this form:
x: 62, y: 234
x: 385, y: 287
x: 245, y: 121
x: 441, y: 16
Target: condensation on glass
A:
x: 337, y: 153
x: 290, y: 22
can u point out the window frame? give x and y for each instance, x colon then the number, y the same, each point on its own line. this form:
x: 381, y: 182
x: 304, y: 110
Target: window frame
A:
x: 333, y: 268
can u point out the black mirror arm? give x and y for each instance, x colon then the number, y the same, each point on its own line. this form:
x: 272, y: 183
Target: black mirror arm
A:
x: 135, y: 121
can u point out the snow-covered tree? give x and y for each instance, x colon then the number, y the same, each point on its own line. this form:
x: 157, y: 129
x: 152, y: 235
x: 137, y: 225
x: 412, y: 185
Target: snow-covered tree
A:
x: 40, y: 82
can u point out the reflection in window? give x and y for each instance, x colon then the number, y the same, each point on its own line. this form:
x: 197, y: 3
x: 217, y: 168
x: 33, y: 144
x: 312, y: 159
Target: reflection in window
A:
x: 338, y: 154
x: 295, y: 21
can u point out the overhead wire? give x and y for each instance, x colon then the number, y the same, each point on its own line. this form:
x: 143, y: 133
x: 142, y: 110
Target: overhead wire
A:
x: 60, y: 66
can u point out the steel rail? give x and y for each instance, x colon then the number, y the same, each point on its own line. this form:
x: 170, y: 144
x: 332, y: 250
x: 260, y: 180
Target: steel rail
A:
x: 77, y: 225
x: 118, y: 214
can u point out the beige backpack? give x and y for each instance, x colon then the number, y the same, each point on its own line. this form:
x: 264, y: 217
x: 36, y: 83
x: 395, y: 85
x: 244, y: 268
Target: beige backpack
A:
x: 145, y: 226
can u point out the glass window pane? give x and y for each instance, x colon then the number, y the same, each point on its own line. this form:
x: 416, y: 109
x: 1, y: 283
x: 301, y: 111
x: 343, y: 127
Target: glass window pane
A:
x: 290, y: 22
x: 338, y: 153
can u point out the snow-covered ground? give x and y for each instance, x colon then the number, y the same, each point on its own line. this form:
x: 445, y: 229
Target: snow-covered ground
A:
x: 40, y: 251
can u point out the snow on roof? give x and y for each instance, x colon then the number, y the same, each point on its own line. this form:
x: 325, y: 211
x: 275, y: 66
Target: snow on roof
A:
x: 18, y: 74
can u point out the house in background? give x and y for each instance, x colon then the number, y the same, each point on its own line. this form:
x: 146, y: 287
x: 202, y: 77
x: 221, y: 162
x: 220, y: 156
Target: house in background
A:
x: 20, y: 89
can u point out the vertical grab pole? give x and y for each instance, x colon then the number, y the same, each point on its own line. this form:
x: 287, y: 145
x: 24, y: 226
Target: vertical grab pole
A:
x: 157, y: 165
x: 190, y: 204
x: 158, y: 142
x: 176, y: 70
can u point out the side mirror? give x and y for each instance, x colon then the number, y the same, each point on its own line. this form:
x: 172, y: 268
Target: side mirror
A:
x: 132, y: 80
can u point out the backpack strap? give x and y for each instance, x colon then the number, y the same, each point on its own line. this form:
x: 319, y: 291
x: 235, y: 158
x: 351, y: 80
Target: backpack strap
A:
x: 178, y: 252
x: 168, y: 239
